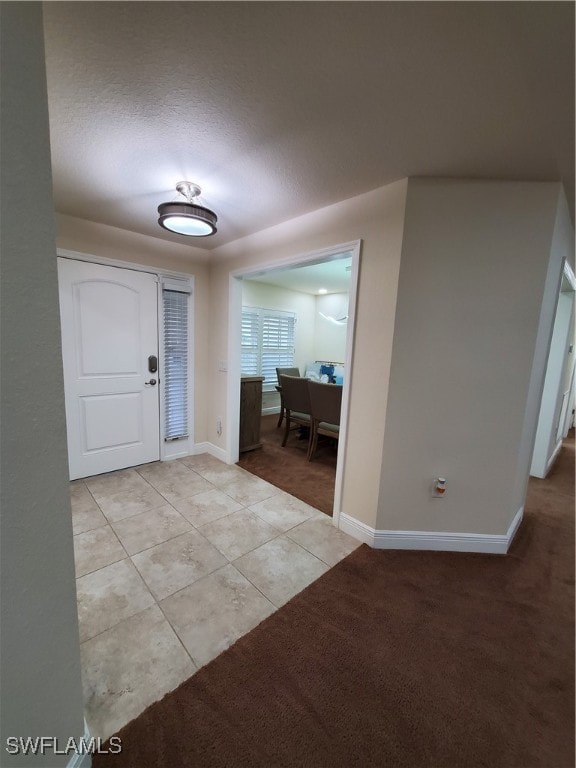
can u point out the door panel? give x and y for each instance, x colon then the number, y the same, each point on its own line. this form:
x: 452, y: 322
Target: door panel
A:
x: 109, y: 321
x: 108, y: 329
x: 111, y: 421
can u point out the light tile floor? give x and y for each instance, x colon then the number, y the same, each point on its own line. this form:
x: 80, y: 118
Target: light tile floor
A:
x: 174, y: 562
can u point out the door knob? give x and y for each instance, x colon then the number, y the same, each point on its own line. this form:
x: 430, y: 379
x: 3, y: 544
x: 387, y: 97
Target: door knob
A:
x: 152, y: 382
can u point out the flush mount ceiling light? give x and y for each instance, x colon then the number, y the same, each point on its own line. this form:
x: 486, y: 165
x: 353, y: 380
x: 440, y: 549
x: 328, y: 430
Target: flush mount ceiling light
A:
x: 187, y: 218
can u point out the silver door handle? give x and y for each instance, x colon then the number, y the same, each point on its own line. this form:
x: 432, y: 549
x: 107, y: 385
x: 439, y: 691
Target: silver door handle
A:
x: 151, y: 383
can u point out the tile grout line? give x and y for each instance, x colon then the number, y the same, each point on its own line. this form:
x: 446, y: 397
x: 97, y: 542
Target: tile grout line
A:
x: 173, y: 628
x: 146, y: 587
x: 268, y: 600
x: 315, y: 555
x: 282, y: 533
x: 245, y: 509
x: 204, y: 576
x: 101, y: 568
x: 118, y: 539
x: 126, y: 618
x: 196, y: 664
x: 194, y: 530
x: 160, y: 493
x: 272, y: 603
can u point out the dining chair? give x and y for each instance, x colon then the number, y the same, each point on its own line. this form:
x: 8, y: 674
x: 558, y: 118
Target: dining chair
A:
x: 296, y: 404
x: 325, y: 406
x: 284, y: 372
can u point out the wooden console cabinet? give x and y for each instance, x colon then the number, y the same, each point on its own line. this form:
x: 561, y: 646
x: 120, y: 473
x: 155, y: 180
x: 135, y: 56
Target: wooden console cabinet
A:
x: 250, y: 412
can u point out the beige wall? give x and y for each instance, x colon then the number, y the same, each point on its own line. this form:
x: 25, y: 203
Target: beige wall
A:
x: 329, y: 337
x: 99, y: 240
x: 475, y: 265
x: 41, y: 690
x: 377, y: 219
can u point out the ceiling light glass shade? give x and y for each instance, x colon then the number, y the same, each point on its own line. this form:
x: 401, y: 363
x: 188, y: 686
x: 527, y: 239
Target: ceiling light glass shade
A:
x: 187, y: 219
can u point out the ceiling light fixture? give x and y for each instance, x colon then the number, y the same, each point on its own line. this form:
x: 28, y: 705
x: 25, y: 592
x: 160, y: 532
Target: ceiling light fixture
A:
x: 322, y: 290
x: 187, y: 218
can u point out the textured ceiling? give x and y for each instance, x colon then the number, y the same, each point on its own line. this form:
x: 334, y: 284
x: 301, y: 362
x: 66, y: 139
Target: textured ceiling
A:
x: 280, y: 108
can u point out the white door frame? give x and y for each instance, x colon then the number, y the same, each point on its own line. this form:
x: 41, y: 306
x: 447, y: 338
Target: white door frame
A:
x: 173, y: 449
x: 552, y: 411
x: 235, y: 341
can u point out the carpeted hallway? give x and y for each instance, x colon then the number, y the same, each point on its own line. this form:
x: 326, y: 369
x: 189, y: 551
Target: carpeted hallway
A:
x: 287, y: 468
x: 416, y: 659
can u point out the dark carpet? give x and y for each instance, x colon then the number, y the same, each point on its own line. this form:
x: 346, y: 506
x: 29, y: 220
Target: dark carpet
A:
x: 395, y: 659
x: 288, y: 468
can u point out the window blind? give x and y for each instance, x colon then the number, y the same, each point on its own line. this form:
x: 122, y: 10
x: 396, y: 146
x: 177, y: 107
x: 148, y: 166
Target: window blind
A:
x: 175, y: 364
x: 250, y: 341
x: 267, y: 342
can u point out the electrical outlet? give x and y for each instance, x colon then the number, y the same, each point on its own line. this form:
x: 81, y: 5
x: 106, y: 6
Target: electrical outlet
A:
x: 222, y: 366
x: 439, y: 487
x: 219, y: 425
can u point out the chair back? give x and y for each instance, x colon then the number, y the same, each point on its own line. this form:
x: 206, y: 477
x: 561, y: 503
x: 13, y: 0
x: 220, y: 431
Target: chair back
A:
x: 295, y: 393
x: 325, y: 401
x: 287, y: 372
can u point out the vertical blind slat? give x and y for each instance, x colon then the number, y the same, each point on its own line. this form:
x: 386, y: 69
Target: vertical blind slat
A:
x: 175, y: 364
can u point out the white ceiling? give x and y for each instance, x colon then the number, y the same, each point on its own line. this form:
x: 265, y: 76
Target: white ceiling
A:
x: 280, y: 108
x: 333, y: 276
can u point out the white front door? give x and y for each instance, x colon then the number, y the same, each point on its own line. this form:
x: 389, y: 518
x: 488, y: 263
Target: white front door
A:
x: 109, y: 320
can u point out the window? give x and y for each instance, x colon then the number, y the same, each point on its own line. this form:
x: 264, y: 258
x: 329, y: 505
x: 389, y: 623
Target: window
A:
x: 267, y: 342
x: 175, y: 364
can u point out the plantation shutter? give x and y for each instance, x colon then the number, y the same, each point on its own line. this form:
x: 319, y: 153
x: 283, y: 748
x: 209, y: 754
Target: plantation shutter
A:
x: 250, y: 343
x: 175, y: 364
x: 267, y: 342
x: 277, y: 343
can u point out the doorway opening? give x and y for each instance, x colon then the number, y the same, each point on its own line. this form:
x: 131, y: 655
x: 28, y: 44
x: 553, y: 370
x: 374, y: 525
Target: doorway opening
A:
x: 327, y: 353
x: 556, y: 415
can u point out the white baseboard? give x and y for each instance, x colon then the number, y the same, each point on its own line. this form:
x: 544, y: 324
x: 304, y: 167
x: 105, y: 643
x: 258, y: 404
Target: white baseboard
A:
x: 514, y: 525
x: 432, y: 540
x: 542, y: 471
x: 553, y: 458
x: 213, y: 450
x: 273, y: 409
x: 82, y: 761
x: 179, y: 455
x: 356, y: 529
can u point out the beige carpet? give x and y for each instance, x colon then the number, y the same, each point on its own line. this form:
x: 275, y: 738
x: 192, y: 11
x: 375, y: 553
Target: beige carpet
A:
x: 288, y: 468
